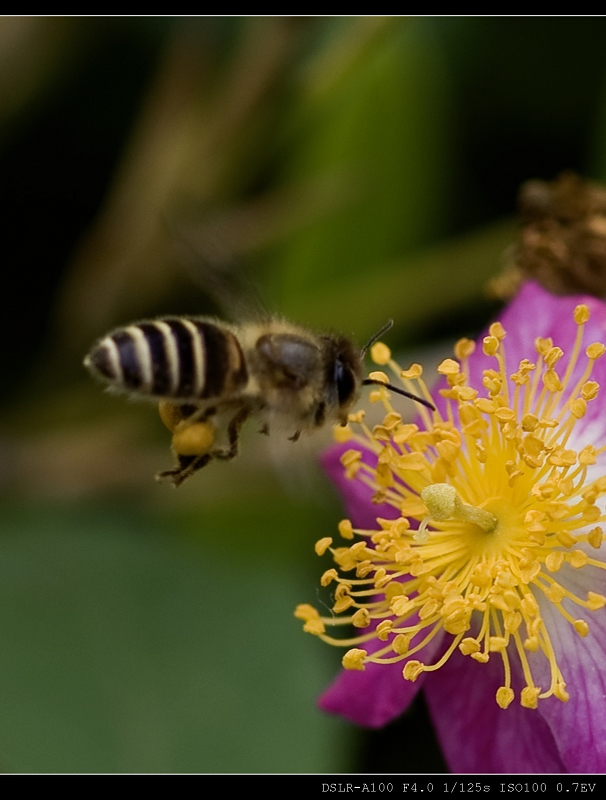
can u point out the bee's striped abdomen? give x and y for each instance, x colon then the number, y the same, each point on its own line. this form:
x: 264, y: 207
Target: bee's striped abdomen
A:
x: 181, y: 358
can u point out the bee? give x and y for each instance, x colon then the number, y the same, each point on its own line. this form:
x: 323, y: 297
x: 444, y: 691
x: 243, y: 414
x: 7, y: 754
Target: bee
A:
x: 203, y: 370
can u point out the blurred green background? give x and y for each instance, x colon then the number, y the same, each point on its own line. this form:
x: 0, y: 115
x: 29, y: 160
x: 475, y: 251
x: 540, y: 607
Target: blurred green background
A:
x: 348, y: 170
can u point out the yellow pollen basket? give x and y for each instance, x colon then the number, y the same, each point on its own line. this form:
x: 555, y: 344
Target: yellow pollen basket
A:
x: 496, y: 502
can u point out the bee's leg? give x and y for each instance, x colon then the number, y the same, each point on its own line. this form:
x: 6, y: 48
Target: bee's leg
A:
x: 264, y: 429
x: 295, y: 436
x: 192, y: 452
x: 233, y: 434
x: 187, y: 465
x: 202, y: 415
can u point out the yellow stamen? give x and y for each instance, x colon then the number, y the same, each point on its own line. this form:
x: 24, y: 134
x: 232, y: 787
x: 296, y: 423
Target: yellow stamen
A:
x: 380, y: 353
x: 496, y: 506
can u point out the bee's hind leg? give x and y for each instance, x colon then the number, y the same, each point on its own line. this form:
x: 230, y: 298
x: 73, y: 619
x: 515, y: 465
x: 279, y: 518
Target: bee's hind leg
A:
x: 187, y: 465
x: 193, y: 438
x: 188, y: 462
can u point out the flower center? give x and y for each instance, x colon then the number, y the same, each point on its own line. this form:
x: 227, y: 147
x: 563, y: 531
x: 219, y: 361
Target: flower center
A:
x: 495, y: 506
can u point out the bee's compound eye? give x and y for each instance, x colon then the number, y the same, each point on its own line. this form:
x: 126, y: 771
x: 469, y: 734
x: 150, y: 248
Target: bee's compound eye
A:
x: 193, y: 440
x: 345, y: 382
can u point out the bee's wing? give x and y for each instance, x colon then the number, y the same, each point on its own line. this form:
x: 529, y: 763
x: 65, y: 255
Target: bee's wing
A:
x: 207, y: 254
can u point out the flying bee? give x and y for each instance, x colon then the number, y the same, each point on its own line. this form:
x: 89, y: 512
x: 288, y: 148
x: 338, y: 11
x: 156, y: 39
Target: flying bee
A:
x: 202, y: 369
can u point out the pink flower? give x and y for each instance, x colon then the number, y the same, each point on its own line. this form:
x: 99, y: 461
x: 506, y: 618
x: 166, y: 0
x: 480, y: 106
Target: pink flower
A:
x: 475, y: 566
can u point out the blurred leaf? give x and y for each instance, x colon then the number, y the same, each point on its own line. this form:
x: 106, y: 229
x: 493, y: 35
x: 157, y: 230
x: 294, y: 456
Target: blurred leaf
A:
x: 125, y: 650
x: 413, y: 291
x: 382, y: 128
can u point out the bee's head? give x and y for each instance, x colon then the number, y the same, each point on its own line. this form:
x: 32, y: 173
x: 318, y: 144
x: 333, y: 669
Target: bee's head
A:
x: 343, y: 375
x: 345, y: 370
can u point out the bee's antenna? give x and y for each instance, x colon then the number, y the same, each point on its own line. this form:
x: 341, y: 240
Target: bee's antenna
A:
x: 375, y: 337
x: 403, y: 392
x: 369, y: 381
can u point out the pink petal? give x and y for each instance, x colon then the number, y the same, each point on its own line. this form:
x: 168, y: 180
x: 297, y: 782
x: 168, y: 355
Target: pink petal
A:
x: 371, y: 698
x: 475, y: 733
x: 378, y: 694
x: 535, y: 312
x: 579, y: 726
